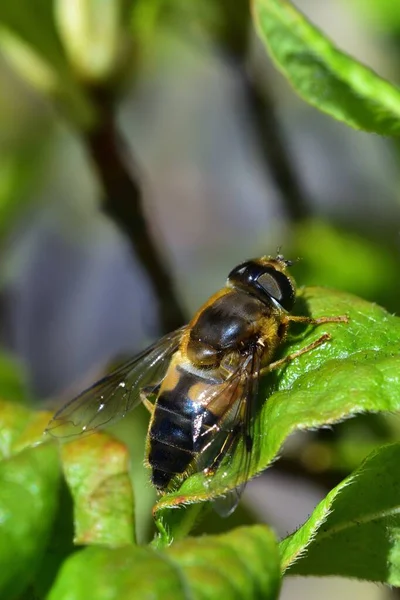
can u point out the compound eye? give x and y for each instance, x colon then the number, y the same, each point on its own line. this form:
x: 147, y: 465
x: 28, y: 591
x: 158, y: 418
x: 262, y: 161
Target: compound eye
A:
x: 279, y: 287
x: 270, y: 285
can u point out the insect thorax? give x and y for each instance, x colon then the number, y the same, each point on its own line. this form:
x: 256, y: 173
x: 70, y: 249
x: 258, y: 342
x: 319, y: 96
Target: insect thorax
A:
x: 229, y: 323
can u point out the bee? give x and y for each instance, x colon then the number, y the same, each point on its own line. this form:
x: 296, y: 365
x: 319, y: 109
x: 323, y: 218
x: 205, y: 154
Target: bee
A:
x: 200, y: 382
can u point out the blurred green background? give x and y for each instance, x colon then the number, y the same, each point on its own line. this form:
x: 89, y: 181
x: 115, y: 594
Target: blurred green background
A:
x: 231, y: 165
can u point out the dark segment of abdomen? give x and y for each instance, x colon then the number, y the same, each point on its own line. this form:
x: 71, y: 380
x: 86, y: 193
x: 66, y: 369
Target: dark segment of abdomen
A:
x: 172, y: 446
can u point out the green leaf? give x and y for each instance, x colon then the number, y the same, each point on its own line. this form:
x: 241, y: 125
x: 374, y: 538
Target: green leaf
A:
x: 29, y: 39
x: 12, y: 380
x: 355, y: 530
x: 132, y: 431
x: 382, y: 17
x: 357, y: 371
x: 241, y: 564
x: 13, y: 416
x: 97, y: 471
x: 33, y: 22
x: 13, y: 420
x: 29, y: 484
x: 59, y: 548
x: 93, y: 34
x: 32, y: 433
x: 324, y: 76
x: 19, y: 427
x: 324, y: 249
x: 21, y: 164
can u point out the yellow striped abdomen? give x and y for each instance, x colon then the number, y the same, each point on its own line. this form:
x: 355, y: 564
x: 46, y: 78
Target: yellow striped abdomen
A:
x: 180, y: 421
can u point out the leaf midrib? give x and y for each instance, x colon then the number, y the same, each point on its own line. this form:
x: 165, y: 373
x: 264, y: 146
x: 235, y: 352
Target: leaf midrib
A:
x: 368, y: 518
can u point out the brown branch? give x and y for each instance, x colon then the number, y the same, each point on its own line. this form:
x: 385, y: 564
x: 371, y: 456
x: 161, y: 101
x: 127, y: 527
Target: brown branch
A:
x: 273, y: 145
x: 123, y: 202
x: 233, y: 40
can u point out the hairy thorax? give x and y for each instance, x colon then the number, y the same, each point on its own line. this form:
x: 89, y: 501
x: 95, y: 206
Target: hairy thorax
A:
x: 225, y: 327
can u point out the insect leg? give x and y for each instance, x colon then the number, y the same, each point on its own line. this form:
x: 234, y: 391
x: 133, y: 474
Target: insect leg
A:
x: 283, y: 361
x: 226, y: 446
x: 145, y: 394
x: 319, y: 321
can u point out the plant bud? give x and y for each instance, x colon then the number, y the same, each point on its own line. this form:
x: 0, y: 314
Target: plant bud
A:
x: 92, y: 35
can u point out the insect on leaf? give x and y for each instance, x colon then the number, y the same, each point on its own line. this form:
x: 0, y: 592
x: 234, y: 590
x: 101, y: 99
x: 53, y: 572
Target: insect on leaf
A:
x: 357, y: 371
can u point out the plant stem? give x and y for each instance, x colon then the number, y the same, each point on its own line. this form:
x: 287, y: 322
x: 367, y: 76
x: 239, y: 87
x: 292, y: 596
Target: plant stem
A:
x: 184, y: 519
x: 123, y: 202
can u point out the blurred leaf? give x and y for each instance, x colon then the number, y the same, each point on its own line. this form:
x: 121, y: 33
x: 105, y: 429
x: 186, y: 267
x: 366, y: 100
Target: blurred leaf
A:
x: 241, y: 564
x: 357, y: 371
x: 343, y: 448
x: 97, y: 471
x: 28, y: 63
x: 32, y: 433
x: 238, y: 564
x: 19, y: 171
x: 340, y: 259
x: 342, y: 455
x: 148, y: 17
x: 221, y: 21
x: 58, y: 549
x: 132, y: 432
x: 324, y: 76
x: 13, y: 384
x: 13, y: 420
x: 12, y: 379
x: 347, y: 454
x: 382, y: 14
x: 355, y: 530
x: 93, y: 35
x: 28, y: 502
x: 13, y: 416
x: 29, y: 39
x: 33, y: 22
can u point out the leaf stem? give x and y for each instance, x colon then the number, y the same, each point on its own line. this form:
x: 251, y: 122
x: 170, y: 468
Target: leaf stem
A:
x: 179, y: 526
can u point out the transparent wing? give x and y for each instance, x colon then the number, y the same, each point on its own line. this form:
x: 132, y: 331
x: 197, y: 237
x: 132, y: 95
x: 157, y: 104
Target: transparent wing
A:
x: 116, y: 394
x: 227, y: 446
x: 241, y: 442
